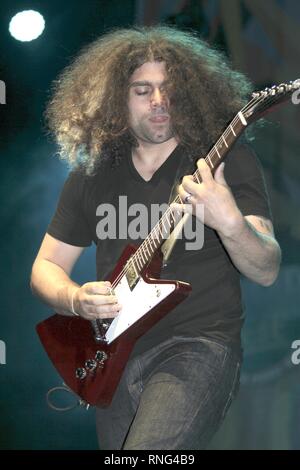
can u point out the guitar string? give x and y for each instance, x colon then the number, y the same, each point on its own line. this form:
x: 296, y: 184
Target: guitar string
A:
x: 136, y: 258
x: 144, y: 244
x: 156, y: 227
x: 133, y: 259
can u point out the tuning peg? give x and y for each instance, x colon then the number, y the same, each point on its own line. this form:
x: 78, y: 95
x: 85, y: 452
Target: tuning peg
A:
x: 296, y: 83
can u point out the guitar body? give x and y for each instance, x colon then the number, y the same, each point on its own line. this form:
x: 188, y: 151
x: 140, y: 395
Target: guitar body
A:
x: 93, y: 368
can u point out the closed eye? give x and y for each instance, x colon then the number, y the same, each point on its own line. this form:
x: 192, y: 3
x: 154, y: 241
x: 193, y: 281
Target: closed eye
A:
x: 141, y: 92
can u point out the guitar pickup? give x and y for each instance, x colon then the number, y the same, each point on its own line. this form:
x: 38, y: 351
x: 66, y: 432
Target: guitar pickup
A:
x: 132, y: 275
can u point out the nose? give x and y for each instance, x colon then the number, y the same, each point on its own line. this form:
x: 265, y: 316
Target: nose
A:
x: 157, y: 98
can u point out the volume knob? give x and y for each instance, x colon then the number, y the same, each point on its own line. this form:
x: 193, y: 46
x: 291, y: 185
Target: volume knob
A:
x: 90, y: 364
x: 101, y: 357
x: 80, y: 373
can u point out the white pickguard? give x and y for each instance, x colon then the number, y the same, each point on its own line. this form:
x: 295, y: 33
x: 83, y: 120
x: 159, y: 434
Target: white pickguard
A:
x: 135, y: 304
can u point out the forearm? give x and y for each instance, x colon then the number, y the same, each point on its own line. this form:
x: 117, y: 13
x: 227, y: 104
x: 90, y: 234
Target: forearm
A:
x: 52, y: 284
x: 256, y: 255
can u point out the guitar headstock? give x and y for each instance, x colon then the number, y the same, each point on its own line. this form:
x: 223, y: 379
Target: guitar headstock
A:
x: 265, y: 100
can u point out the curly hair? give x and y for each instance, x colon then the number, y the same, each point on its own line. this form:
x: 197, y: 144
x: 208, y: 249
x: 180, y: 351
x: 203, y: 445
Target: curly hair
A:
x: 88, y: 111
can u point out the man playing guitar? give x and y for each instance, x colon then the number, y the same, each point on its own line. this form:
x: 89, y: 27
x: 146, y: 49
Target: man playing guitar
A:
x: 131, y: 109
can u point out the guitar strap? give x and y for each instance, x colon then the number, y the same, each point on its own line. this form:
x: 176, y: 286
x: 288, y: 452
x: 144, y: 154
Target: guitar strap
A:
x: 184, y: 168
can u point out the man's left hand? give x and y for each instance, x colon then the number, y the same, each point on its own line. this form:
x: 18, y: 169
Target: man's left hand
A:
x: 220, y: 210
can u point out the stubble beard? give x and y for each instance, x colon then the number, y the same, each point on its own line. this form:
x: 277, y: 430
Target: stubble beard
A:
x: 162, y: 134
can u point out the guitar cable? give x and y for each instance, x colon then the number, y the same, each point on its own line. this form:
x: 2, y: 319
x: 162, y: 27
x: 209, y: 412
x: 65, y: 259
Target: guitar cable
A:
x: 64, y: 388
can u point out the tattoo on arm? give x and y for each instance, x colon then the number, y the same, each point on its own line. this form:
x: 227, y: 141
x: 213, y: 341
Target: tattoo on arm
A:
x: 266, y: 224
x: 261, y: 225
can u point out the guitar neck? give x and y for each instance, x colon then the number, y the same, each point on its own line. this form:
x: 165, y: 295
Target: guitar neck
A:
x: 219, y: 151
x: 261, y: 103
x: 166, y: 224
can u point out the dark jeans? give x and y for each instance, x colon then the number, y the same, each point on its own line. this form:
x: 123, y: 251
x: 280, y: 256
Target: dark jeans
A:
x: 174, y: 396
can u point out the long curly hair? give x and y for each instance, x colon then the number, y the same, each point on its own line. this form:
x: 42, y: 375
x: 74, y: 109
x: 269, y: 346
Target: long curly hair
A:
x: 88, y: 110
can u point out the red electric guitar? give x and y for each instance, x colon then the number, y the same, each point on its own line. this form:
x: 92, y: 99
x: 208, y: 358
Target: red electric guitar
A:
x: 91, y: 356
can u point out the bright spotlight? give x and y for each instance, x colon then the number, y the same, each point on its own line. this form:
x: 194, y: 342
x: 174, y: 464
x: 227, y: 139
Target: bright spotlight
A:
x: 26, y: 25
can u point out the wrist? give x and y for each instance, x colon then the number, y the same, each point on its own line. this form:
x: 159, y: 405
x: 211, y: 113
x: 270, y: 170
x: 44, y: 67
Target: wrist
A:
x: 73, y: 302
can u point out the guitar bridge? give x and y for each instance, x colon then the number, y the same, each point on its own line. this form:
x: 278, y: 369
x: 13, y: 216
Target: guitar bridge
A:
x: 100, y: 328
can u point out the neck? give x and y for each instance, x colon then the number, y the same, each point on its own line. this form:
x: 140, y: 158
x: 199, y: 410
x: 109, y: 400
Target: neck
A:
x: 147, y: 157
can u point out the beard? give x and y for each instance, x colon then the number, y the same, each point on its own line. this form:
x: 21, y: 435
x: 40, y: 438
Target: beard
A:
x: 153, y: 132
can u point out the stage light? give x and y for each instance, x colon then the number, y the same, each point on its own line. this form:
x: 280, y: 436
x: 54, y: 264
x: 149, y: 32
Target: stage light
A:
x: 26, y: 25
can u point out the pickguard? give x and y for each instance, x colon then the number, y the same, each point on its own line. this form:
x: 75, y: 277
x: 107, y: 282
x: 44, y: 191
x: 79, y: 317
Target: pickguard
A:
x: 135, y: 303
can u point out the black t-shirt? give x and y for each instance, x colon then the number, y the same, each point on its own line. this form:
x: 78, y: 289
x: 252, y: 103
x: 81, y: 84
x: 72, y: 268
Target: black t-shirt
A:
x: 214, y: 307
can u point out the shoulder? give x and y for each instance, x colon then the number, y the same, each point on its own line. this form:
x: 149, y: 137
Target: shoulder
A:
x: 79, y: 177
x: 91, y: 188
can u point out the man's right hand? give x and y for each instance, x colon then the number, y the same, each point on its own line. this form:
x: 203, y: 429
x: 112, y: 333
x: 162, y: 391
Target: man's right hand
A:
x: 95, y: 300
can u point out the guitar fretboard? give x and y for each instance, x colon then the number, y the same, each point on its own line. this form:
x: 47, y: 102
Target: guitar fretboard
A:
x: 166, y: 224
